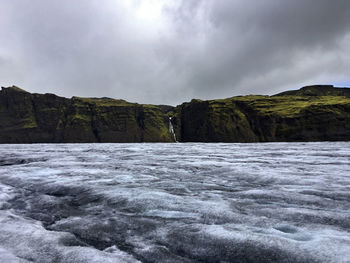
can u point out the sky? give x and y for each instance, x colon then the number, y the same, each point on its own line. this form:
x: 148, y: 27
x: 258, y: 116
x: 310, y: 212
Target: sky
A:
x: 170, y: 51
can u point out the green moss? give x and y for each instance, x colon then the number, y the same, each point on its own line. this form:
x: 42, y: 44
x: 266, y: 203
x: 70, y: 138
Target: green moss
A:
x: 156, y: 124
x: 24, y: 123
x: 29, y: 123
x: 307, y: 114
x: 291, y: 106
x: 317, y: 90
x: 81, y: 117
x: 101, y: 101
x: 17, y: 89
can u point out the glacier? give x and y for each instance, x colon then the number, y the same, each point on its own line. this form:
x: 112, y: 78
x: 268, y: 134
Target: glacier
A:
x: 183, y: 202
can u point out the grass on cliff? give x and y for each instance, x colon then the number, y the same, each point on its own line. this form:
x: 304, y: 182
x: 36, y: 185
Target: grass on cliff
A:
x: 155, y: 120
x: 286, y: 106
x: 102, y: 101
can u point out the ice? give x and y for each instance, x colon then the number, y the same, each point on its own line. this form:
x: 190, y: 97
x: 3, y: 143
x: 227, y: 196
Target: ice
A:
x: 184, y: 202
x: 25, y: 240
x: 6, y: 194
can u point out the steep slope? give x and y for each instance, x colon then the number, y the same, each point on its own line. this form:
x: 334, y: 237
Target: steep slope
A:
x: 308, y: 114
x: 26, y: 118
x: 313, y: 113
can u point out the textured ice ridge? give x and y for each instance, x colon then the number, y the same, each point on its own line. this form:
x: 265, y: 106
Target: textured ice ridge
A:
x: 273, y: 202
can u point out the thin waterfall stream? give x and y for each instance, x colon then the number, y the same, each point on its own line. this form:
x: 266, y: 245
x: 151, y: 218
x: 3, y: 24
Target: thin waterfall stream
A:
x: 171, y: 129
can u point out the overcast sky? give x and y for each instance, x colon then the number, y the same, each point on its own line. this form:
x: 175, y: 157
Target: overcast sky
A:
x: 170, y: 51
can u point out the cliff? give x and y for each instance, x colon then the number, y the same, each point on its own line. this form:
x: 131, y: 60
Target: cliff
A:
x: 26, y: 118
x: 313, y: 113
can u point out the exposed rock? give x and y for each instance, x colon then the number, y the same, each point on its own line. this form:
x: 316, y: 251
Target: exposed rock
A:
x: 313, y: 113
x: 214, y: 121
x: 307, y: 114
x: 27, y: 118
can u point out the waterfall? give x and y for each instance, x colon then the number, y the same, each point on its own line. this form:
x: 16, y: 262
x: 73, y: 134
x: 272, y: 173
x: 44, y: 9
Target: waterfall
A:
x: 171, y: 129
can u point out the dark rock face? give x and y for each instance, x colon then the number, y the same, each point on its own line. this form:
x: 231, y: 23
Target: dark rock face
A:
x: 28, y: 118
x: 313, y: 113
x: 214, y: 121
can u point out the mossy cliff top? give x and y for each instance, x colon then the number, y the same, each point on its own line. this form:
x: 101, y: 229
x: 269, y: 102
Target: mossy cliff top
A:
x: 291, y: 106
x: 318, y: 90
x: 26, y: 118
x: 12, y: 89
x: 312, y: 113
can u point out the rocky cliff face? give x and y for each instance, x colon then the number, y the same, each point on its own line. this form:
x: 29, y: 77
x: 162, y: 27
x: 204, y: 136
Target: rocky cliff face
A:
x: 313, y: 113
x: 26, y: 117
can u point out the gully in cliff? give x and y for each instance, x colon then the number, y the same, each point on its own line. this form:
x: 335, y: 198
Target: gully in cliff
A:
x: 171, y: 129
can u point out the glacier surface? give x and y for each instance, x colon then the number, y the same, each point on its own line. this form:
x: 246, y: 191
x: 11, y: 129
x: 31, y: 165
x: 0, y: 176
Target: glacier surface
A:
x: 181, y: 202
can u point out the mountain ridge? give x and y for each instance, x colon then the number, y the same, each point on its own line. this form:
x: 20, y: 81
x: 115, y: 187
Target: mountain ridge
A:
x: 312, y: 113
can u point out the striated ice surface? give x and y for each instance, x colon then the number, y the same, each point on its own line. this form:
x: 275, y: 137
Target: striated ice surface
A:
x: 193, y: 202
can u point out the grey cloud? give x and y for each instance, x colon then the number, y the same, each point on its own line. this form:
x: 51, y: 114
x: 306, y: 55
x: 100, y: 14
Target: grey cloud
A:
x: 250, y: 41
x: 205, y: 48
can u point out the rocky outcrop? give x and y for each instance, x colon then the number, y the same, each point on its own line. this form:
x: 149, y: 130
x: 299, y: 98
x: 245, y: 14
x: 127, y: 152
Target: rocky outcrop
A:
x: 214, y: 121
x: 318, y: 90
x: 27, y: 118
x: 313, y: 113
